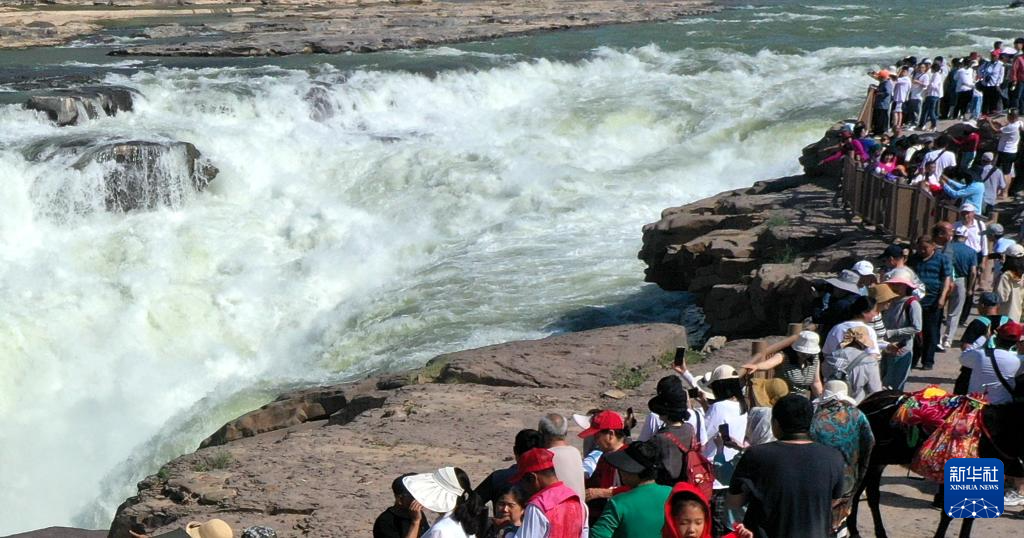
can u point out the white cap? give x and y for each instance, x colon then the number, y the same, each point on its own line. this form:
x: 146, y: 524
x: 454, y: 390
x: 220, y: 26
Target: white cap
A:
x: 1015, y: 251
x: 968, y: 208
x: 1004, y: 243
x: 864, y: 268
x: 960, y: 231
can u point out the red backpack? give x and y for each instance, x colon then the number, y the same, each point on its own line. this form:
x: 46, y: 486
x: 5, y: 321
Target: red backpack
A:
x: 698, y: 470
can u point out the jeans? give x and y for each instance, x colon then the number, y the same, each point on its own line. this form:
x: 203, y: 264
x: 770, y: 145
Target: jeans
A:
x: 911, y: 110
x: 967, y: 159
x: 930, y: 112
x: 896, y: 370
x: 954, y: 306
x: 930, y: 334
x: 975, y: 107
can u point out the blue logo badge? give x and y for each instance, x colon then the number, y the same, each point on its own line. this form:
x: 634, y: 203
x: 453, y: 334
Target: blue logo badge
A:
x: 974, y: 487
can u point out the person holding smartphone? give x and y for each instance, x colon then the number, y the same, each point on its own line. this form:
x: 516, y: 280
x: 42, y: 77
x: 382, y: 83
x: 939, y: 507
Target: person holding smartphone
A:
x: 725, y: 418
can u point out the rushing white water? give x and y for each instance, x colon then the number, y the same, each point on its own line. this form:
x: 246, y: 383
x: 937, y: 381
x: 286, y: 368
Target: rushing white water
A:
x: 427, y: 214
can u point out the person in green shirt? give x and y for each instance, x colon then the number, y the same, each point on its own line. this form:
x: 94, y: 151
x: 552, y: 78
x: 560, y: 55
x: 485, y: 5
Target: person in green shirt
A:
x: 636, y: 513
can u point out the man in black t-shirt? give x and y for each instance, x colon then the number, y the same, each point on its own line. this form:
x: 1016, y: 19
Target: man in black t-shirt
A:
x: 789, y: 484
x: 400, y: 518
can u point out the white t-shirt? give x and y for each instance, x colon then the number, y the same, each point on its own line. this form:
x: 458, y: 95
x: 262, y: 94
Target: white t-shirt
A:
x: 835, y: 337
x: 994, y: 182
x: 983, y: 377
x: 446, y: 527
x: 934, y: 88
x: 917, y: 89
x: 1009, y: 137
x: 569, y: 468
x: 964, y: 79
x: 654, y: 423
x: 943, y: 159
x: 724, y: 412
x: 901, y: 90
x: 975, y: 235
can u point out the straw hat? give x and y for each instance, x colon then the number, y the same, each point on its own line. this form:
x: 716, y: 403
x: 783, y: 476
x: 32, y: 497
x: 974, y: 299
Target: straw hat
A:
x: 857, y: 335
x: 438, y: 491
x: 215, y: 528
x: 882, y: 293
x: 768, y: 391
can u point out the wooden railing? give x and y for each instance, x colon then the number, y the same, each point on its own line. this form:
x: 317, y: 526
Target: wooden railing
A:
x: 901, y: 210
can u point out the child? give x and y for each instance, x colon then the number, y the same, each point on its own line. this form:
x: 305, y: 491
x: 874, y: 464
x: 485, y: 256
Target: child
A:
x: 688, y: 515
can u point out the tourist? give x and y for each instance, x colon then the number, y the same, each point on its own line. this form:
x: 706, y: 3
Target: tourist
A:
x: 975, y: 230
x: 498, y: 480
x: 688, y: 515
x: 636, y: 513
x: 405, y: 518
x: 861, y: 314
x: 798, y: 364
x: 983, y: 362
x: 933, y: 93
x: 929, y: 178
x: 990, y: 77
x: 448, y: 491
x: 696, y: 399
x: 935, y: 270
x: 979, y: 332
x: 763, y: 394
x: 781, y: 501
x: 995, y: 182
x: 965, y: 82
x: 965, y: 269
x: 855, y: 362
x: 894, y: 258
x: 968, y: 145
x: 609, y: 433
x: 726, y: 426
x: 675, y: 438
x: 1011, y: 284
x: 900, y: 97
x: 867, y: 275
x: 848, y: 147
x: 554, y: 510
x: 1017, y: 76
x: 882, y: 103
x: 508, y: 512
x: 568, y: 460
x: 843, y: 290
x: 1009, y: 140
x: 903, y: 322
x: 592, y: 453
x: 941, y: 155
x: 839, y: 424
x: 262, y: 532
x: 968, y: 193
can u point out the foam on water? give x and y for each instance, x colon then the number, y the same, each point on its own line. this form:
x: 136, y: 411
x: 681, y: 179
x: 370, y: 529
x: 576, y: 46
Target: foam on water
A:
x: 428, y: 214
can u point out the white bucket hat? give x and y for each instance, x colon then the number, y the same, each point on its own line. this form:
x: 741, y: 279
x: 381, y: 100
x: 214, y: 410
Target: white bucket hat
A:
x: 808, y: 342
x: 836, y: 390
x: 438, y: 491
x: 583, y: 421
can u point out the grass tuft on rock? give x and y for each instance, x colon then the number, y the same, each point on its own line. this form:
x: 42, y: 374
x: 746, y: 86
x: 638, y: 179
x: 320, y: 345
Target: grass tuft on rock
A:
x: 216, y: 461
x: 628, y: 378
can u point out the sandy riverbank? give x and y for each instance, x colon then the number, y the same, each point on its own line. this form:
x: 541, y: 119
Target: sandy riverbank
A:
x: 325, y: 27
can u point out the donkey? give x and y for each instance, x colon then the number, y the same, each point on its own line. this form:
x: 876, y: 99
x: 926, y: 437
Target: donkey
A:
x: 1002, y: 438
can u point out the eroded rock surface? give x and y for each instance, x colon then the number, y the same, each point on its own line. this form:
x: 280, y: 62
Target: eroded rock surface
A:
x: 78, y: 105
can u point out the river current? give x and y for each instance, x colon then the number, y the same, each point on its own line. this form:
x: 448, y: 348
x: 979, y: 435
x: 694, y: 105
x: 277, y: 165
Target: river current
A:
x: 458, y: 196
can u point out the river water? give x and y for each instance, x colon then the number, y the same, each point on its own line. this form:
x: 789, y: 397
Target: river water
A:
x: 459, y: 196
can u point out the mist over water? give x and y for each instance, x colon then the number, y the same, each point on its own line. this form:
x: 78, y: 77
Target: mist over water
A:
x: 438, y: 208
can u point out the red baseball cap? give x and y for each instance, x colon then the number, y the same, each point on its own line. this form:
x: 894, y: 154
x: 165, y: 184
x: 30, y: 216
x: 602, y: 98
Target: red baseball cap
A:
x: 605, y: 420
x: 532, y: 461
x: 1011, y: 331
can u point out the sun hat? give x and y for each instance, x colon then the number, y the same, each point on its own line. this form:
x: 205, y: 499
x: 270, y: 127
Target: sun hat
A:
x: 882, y: 293
x: 533, y: 461
x: 989, y: 298
x: 1015, y: 251
x: 903, y: 276
x: 807, y: 342
x: 1011, y: 330
x: 960, y: 231
x: 968, y: 208
x: 671, y: 399
x: 700, y: 385
x: 215, y: 528
x: 995, y: 229
x: 722, y: 373
x: 864, y: 268
x: 846, y: 280
x: 856, y: 334
x: 438, y: 491
x: 635, y: 458
x: 259, y: 532
x: 768, y: 391
x: 836, y: 390
x: 988, y: 156
x: 583, y: 421
x: 605, y: 420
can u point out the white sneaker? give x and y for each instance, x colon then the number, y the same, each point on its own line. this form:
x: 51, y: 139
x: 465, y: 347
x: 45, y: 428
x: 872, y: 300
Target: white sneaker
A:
x: 1013, y: 499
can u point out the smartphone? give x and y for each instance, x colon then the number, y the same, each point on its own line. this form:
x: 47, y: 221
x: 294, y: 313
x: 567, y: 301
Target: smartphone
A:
x: 723, y: 430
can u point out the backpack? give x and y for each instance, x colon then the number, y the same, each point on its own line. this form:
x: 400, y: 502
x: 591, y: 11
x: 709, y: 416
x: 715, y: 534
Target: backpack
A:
x: 698, y: 470
x: 842, y: 367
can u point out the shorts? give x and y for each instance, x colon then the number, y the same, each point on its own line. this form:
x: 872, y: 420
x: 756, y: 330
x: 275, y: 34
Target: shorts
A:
x: 1005, y: 162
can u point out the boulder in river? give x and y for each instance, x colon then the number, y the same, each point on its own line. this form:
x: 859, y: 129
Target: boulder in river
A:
x: 77, y: 105
x: 131, y: 174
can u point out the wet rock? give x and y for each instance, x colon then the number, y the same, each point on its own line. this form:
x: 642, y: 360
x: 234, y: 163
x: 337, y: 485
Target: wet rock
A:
x: 287, y: 410
x: 321, y: 105
x: 136, y: 174
x: 78, y: 105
